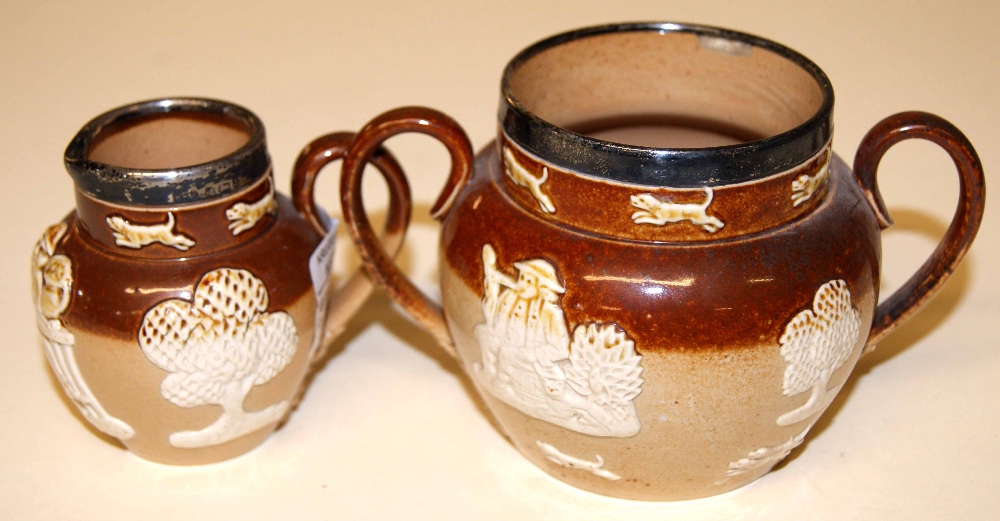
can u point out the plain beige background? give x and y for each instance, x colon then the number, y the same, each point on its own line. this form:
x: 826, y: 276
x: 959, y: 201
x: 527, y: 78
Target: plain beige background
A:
x: 390, y: 429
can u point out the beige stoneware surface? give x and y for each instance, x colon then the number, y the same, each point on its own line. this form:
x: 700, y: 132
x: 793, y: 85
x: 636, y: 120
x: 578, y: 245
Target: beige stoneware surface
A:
x: 391, y: 429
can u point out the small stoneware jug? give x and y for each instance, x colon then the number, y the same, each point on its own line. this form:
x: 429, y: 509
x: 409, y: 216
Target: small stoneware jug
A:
x: 660, y: 275
x: 182, y: 302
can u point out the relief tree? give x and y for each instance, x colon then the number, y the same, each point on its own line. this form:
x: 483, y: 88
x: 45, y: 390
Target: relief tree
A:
x: 217, y: 349
x: 816, y: 343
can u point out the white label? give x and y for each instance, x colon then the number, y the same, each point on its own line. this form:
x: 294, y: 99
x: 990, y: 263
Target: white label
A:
x: 321, y: 260
x: 325, y: 219
x: 320, y: 270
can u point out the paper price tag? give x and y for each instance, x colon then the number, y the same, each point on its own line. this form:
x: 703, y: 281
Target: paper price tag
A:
x: 321, y: 260
x: 321, y: 271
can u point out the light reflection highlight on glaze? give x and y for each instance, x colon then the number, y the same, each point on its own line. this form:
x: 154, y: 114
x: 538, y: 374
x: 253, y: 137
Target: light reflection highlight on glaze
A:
x: 686, y: 281
x: 183, y: 291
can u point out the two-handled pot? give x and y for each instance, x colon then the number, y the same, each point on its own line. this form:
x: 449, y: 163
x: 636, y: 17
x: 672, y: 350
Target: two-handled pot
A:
x: 660, y: 274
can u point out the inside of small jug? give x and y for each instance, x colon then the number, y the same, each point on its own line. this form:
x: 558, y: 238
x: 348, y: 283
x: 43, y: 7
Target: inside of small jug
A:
x: 666, y: 90
x: 170, y: 140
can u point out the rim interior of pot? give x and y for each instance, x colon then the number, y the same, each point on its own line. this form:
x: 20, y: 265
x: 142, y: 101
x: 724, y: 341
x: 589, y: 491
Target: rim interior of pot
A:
x: 167, y: 141
x: 168, y: 151
x: 666, y: 104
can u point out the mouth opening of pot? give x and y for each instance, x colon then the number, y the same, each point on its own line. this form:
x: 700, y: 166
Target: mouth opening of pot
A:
x: 168, y: 140
x: 666, y: 104
x: 168, y: 152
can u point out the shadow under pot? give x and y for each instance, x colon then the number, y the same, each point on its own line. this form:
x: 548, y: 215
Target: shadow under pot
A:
x: 183, y: 301
x: 660, y: 275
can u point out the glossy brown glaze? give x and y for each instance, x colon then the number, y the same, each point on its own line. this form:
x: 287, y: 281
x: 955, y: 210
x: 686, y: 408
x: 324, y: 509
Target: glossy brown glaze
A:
x: 718, y: 295
x: 114, y: 290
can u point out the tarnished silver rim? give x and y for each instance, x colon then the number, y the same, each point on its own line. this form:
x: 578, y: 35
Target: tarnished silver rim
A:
x: 175, y: 186
x: 680, y: 168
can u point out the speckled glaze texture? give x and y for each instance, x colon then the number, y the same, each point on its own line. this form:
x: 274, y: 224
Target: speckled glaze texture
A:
x: 182, y: 319
x: 661, y: 323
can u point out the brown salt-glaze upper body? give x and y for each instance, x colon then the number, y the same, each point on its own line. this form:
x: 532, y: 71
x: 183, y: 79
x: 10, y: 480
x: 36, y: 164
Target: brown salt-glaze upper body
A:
x: 176, y: 303
x: 660, y: 323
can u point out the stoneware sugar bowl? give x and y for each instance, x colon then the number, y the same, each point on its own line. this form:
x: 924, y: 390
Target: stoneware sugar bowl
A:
x: 659, y: 275
x: 183, y: 300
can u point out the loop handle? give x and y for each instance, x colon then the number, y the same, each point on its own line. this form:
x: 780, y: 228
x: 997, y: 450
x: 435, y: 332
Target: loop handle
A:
x: 407, y: 119
x: 345, y: 301
x: 918, y: 290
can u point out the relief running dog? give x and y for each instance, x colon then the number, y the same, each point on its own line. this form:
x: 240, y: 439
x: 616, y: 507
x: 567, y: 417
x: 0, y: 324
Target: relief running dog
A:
x: 521, y: 177
x: 805, y: 185
x: 243, y: 216
x: 130, y: 235
x: 655, y: 211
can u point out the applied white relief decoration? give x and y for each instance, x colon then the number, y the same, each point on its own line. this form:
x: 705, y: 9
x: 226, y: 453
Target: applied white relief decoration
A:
x: 816, y: 343
x: 217, y: 348
x: 52, y: 287
x: 764, y: 458
x: 244, y: 216
x: 657, y: 212
x: 130, y: 235
x: 585, y: 383
x: 570, y: 462
x: 804, y: 186
x: 521, y: 177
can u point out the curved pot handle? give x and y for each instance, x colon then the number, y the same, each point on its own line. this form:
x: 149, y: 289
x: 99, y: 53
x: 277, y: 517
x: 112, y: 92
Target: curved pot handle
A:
x: 912, y: 295
x: 407, y: 119
x: 345, y: 301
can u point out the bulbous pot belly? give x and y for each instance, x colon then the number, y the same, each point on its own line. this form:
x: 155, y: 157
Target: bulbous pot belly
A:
x: 657, y: 370
x: 191, y: 360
